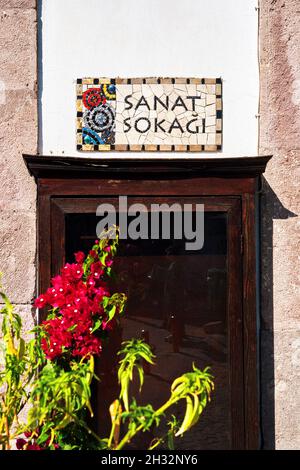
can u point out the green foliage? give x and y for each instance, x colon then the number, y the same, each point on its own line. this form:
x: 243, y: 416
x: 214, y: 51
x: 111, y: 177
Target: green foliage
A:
x: 115, y: 303
x: 194, y: 387
x: 58, y: 392
x: 59, y: 396
x: 134, y: 352
x: 19, y: 361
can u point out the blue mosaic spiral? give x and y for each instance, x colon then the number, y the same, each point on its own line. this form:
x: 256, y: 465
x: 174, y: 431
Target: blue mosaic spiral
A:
x: 90, y: 137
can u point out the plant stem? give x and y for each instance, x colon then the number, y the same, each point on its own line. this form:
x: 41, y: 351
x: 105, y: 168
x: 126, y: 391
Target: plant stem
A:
x: 129, y: 435
x: 83, y: 424
x: 166, y: 405
x: 112, y: 432
x: 7, y: 433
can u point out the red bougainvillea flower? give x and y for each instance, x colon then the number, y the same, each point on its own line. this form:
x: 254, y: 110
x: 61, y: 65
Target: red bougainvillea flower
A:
x: 79, y: 256
x: 34, y: 446
x: 80, y: 305
x: 93, y: 254
x: 108, y: 325
x: 55, y: 297
x: 59, y: 337
x: 97, y: 270
x: 58, y: 282
x: 72, y: 271
x: 86, y: 344
x: 91, y: 282
x: 31, y: 444
x: 20, y: 443
x: 41, y: 301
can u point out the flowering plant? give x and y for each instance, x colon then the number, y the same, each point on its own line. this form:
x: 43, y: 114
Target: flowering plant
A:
x: 53, y: 371
x: 82, y: 310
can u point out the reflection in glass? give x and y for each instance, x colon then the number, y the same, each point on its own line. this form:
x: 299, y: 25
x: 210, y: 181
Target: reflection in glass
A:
x: 177, y: 302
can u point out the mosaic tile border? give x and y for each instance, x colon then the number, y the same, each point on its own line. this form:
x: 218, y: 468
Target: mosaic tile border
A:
x: 106, y: 147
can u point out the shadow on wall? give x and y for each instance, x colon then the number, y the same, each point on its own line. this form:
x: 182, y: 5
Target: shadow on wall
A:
x: 271, y: 209
x: 40, y: 75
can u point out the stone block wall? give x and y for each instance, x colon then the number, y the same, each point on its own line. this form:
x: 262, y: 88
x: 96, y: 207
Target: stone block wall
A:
x: 279, y: 42
x: 279, y: 39
x: 18, y: 134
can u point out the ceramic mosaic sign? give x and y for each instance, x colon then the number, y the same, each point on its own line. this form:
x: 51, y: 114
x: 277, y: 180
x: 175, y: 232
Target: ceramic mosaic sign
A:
x: 149, y: 114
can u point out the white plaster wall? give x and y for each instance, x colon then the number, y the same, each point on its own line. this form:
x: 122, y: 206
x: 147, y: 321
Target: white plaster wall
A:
x: 136, y: 38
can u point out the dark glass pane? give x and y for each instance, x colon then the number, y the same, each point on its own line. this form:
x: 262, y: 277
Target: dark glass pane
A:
x: 177, y: 301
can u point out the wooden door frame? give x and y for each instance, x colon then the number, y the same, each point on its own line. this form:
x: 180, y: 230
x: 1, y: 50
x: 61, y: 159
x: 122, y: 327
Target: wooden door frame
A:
x: 67, y: 177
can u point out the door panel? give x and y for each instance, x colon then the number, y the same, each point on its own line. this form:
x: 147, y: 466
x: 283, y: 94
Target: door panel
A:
x: 187, y: 304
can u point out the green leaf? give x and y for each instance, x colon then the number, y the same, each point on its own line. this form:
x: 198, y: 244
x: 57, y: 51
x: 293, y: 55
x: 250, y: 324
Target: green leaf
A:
x: 73, y: 327
x: 111, y: 312
x: 97, y: 325
x: 22, y: 347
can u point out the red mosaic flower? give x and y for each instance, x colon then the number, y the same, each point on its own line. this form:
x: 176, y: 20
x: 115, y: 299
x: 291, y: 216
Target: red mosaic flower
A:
x: 93, y: 98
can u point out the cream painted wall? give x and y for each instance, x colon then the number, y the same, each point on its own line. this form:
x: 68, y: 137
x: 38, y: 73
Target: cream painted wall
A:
x: 203, y: 38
